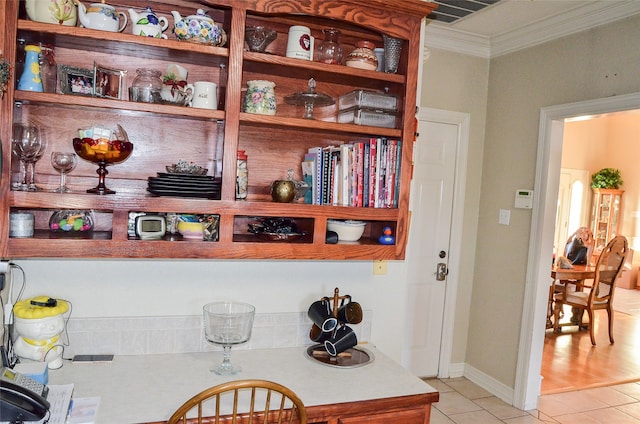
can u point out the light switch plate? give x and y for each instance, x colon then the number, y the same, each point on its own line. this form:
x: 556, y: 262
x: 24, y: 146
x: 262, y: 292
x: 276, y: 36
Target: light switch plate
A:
x: 504, y: 217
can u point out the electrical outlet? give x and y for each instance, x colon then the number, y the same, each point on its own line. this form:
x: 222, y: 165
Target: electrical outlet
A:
x: 379, y: 267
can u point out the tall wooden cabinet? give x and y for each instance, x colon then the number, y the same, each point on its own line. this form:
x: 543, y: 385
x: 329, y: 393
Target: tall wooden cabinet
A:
x: 605, y: 216
x: 162, y: 134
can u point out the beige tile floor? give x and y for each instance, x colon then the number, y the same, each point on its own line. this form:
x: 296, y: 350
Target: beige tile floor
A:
x: 463, y: 402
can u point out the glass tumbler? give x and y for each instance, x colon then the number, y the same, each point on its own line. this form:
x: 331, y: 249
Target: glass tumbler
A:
x: 392, y: 51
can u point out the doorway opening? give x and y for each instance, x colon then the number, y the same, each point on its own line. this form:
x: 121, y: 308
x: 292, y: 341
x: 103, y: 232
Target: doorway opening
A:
x: 528, y: 378
x: 590, y: 144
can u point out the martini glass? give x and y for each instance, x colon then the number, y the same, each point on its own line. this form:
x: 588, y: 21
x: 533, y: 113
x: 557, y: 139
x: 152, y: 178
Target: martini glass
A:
x: 227, y: 324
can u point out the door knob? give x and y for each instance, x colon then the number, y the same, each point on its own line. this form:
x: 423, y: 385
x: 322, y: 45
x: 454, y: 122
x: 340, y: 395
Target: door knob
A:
x: 441, y: 271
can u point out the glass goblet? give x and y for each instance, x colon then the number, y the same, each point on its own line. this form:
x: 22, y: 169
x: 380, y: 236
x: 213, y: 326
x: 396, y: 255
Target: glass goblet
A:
x: 26, y: 144
x: 227, y: 324
x: 63, y: 162
x: 31, y: 163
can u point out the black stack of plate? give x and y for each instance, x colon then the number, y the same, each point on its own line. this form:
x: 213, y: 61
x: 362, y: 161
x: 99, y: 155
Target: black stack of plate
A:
x: 185, y: 185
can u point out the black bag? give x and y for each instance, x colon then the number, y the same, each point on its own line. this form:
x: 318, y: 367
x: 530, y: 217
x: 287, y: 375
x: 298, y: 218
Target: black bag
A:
x: 577, y: 252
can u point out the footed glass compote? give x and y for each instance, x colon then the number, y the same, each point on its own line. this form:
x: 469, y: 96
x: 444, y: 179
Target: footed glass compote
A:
x: 227, y: 324
x: 103, y: 150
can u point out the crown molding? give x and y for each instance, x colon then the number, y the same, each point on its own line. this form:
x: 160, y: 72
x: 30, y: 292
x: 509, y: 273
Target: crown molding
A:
x: 440, y: 37
x: 590, y: 15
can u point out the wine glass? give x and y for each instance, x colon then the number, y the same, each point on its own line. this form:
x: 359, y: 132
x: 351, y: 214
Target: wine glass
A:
x: 228, y: 324
x: 63, y: 162
x: 32, y: 159
x: 26, y: 144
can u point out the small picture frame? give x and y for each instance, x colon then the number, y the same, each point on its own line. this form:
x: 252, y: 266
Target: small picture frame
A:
x: 108, y: 82
x: 77, y: 81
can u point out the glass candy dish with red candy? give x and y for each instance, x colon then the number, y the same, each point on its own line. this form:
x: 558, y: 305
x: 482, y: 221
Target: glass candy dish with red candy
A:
x: 103, y: 147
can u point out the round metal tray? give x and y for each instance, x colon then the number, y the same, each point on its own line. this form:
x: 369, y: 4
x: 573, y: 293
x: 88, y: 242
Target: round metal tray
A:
x: 359, y: 357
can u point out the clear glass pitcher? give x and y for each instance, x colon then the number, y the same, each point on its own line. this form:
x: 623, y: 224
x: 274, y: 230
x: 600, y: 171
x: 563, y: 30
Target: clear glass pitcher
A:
x: 330, y: 49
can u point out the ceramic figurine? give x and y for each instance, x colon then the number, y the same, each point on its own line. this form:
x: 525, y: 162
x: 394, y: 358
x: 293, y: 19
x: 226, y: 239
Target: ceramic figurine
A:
x: 39, y: 323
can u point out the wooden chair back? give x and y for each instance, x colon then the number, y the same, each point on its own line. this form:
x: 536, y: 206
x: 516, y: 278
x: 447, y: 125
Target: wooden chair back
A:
x: 600, y: 293
x: 243, y: 401
x: 608, y: 269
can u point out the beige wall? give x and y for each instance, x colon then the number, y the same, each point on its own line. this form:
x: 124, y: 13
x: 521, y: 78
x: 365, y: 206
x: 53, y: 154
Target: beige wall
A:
x: 611, y: 141
x: 598, y: 63
x: 459, y: 83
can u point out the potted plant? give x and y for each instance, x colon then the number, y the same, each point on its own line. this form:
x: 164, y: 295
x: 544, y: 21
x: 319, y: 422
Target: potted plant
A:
x: 5, y: 73
x: 607, y: 178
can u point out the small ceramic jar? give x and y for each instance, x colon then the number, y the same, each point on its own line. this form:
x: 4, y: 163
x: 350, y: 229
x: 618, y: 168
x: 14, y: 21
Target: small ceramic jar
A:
x: 363, y: 56
x: 260, y: 97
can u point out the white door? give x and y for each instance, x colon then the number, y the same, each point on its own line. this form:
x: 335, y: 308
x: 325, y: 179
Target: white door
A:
x: 429, y: 244
x: 573, y: 211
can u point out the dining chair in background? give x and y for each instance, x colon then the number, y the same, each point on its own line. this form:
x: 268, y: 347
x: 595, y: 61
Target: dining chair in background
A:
x: 598, y: 295
x: 581, y: 239
x: 249, y: 401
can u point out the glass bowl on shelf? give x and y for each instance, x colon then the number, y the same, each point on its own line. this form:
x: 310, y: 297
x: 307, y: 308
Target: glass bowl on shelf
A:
x: 71, y: 221
x: 259, y: 37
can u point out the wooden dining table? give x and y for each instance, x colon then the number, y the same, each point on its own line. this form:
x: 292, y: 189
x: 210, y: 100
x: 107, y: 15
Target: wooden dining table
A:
x: 562, y: 276
x: 577, y: 273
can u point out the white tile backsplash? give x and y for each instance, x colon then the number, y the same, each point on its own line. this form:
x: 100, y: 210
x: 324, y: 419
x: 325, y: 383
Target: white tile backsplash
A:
x: 181, y: 334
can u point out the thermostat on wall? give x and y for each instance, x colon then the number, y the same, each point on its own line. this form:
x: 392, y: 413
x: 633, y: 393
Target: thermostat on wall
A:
x: 524, y: 199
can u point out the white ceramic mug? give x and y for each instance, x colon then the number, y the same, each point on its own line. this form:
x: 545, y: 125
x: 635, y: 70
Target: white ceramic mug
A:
x: 300, y: 43
x: 204, y: 95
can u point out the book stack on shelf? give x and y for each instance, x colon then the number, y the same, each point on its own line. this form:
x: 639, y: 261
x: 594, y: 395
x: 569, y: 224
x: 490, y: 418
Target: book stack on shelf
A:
x: 356, y: 174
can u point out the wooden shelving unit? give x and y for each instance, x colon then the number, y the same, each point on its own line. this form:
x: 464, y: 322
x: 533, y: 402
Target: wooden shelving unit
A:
x: 162, y: 134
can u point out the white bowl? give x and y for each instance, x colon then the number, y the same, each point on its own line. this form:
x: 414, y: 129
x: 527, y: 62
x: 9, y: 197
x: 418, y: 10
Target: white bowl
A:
x: 346, y: 230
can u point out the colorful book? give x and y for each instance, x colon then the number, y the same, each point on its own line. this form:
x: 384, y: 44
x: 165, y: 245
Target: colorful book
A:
x: 359, y: 154
x: 316, y: 154
x: 345, y: 174
x: 373, y: 143
x: 365, y: 174
x: 396, y: 191
x: 308, y: 176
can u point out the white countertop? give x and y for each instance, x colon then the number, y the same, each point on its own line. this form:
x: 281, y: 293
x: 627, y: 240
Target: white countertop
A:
x: 151, y: 387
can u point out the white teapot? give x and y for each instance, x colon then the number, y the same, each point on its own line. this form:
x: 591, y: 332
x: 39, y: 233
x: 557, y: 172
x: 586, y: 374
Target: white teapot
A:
x: 61, y: 12
x: 147, y: 23
x: 101, y: 16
